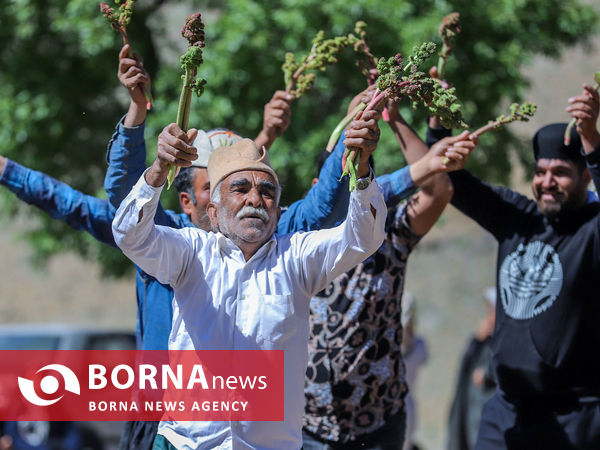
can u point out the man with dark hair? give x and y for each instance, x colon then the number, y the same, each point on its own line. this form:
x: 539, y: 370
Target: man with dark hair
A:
x: 546, y: 334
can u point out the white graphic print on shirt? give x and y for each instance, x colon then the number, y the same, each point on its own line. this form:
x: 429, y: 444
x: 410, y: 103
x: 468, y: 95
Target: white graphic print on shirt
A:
x: 530, y: 280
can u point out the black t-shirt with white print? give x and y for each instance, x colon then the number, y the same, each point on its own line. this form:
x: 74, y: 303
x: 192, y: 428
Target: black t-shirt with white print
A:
x: 547, y: 333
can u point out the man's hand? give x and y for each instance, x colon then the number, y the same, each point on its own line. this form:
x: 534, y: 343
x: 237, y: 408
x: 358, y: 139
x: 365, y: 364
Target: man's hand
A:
x: 2, y: 164
x: 134, y: 78
x: 175, y: 149
x: 276, y: 119
x: 585, y: 108
x: 455, y: 150
x: 363, y: 134
x: 364, y: 97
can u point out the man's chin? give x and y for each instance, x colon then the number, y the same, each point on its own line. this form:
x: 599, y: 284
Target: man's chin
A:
x: 550, y: 209
x: 254, y: 231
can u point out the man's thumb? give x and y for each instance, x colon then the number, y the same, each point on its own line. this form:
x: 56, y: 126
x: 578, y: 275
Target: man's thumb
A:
x: 191, y: 134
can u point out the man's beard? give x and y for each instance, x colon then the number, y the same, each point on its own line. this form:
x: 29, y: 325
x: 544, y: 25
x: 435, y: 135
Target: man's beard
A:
x: 561, y: 206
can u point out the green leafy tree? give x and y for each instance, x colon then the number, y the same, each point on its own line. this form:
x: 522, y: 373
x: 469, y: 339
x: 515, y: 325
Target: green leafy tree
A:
x: 248, y: 40
x: 59, y: 98
x: 59, y: 105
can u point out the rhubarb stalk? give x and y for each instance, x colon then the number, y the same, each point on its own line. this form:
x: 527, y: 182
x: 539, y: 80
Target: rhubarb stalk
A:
x: 397, y: 80
x: 518, y: 112
x: 193, y: 31
x: 449, y: 28
x: 300, y: 76
x: 119, y: 23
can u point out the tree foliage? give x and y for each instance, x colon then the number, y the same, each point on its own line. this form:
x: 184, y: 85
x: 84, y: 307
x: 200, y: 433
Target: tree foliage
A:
x: 60, y: 99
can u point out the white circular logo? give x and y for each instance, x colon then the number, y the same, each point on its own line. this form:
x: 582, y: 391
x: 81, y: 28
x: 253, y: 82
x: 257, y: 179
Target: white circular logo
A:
x: 530, y: 280
x: 49, y: 385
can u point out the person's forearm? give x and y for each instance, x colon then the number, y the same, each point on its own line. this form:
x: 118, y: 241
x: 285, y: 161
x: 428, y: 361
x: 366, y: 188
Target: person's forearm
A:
x: 435, y: 134
x: 263, y: 140
x: 413, y: 148
x: 60, y: 201
x: 157, y: 174
x: 2, y: 164
x: 325, y: 204
x: 590, y: 143
x: 397, y: 186
x: 432, y: 184
x: 159, y: 251
x: 593, y: 163
x: 126, y: 158
x: 434, y: 122
x: 439, y: 187
x: 136, y: 115
x: 364, y: 169
x: 343, y: 247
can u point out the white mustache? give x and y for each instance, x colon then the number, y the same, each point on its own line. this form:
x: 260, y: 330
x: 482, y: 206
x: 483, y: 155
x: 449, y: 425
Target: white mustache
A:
x: 252, y: 211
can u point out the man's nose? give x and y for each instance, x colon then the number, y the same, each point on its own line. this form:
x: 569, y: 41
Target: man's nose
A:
x: 253, y: 198
x: 548, y: 180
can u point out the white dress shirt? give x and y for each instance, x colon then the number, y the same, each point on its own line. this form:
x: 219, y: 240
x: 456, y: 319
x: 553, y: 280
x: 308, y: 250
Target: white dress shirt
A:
x: 223, y: 302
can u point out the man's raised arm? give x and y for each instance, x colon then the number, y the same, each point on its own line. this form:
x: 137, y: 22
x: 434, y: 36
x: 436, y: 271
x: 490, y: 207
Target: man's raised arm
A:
x: 59, y: 200
x: 326, y: 203
x: 126, y: 154
x: 326, y: 254
x: 160, y: 251
x: 276, y: 119
x: 585, y: 109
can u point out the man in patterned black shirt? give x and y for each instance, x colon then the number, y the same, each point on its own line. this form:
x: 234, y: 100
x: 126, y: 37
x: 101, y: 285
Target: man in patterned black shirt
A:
x: 355, y: 382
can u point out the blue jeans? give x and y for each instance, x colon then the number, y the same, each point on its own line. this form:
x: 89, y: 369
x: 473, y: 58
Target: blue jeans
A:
x: 389, y: 437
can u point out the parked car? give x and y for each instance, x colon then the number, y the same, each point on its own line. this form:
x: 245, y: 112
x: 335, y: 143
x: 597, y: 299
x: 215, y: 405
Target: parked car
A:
x: 40, y: 435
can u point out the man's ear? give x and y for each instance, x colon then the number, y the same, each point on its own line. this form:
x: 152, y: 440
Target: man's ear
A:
x: 187, y: 205
x: 278, y: 213
x: 211, y: 211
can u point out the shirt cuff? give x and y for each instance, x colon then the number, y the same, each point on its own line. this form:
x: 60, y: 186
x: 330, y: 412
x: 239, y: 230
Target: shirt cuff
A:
x: 143, y: 194
x: 402, y: 182
x: 127, y: 137
x: 367, y: 197
x: 145, y: 187
x: 434, y: 135
x: 13, y: 176
x: 592, y: 159
x: 136, y: 133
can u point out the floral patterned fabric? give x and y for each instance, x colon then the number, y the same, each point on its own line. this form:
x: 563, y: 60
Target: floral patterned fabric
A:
x: 355, y: 380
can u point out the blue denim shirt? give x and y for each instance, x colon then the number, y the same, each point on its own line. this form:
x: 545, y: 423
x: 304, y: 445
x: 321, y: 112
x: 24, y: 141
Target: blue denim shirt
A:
x: 325, y: 205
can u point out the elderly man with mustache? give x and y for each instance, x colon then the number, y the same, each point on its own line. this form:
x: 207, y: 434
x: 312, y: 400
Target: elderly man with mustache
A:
x: 244, y: 287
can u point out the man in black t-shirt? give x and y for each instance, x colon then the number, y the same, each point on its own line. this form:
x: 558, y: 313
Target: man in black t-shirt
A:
x: 547, y: 333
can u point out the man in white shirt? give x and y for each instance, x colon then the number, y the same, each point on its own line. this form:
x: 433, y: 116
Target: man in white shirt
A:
x: 244, y: 287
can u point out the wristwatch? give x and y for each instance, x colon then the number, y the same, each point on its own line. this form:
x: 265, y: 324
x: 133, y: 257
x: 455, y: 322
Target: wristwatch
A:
x: 363, y: 183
